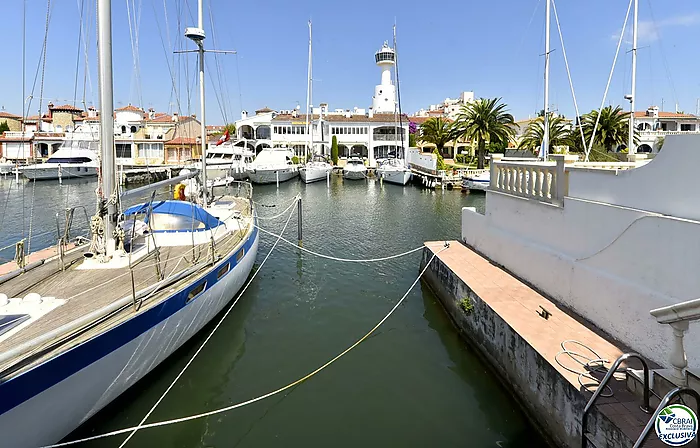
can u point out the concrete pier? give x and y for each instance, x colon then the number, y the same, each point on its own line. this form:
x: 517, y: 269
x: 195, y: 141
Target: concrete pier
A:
x: 519, y: 333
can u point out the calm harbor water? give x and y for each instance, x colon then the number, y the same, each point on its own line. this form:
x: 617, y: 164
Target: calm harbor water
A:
x: 414, y: 383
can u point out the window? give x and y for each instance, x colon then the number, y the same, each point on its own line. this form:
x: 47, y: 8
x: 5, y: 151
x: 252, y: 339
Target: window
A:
x: 151, y: 150
x: 687, y: 127
x: 133, y: 129
x: 124, y: 150
x: 223, y: 271
x: 240, y: 255
x: 197, y: 290
x: 123, y: 129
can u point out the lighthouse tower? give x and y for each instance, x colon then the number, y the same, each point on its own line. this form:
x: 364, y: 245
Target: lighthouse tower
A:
x: 384, y: 99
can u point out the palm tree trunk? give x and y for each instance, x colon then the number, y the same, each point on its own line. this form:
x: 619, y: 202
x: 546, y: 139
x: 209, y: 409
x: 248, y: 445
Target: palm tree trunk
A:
x: 481, y: 154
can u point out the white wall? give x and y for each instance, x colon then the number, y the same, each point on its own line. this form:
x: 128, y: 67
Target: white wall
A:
x: 610, y: 262
x: 422, y: 161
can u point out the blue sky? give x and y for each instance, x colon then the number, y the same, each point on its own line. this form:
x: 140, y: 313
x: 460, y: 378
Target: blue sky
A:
x: 491, y: 47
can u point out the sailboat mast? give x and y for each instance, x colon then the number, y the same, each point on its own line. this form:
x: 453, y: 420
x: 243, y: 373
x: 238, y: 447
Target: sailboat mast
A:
x: 104, y: 55
x: 200, y: 45
x: 398, y: 97
x: 630, y: 143
x: 545, y: 139
x: 308, y: 98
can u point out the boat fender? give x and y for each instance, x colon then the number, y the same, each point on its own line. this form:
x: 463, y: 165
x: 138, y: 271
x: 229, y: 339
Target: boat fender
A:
x: 179, y: 193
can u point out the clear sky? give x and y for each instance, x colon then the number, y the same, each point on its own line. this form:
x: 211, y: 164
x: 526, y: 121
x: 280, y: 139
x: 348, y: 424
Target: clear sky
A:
x: 492, y: 47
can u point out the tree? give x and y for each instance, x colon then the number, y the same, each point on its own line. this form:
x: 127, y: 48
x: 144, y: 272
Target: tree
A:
x: 612, y: 130
x: 231, y: 128
x: 437, y: 131
x: 334, y: 150
x: 660, y: 143
x: 4, y: 127
x: 486, y: 121
x: 559, y: 134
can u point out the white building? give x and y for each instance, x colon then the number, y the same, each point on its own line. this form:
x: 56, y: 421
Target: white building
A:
x: 653, y: 126
x: 372, y: 134
x: 450, y: 108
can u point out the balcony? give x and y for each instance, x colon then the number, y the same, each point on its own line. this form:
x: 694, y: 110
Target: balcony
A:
x: 386, y: 137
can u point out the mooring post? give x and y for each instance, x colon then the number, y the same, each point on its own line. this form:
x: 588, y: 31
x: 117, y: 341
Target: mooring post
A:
x: 277, y: 176
x: 299, y: 220
x: 328, y: 178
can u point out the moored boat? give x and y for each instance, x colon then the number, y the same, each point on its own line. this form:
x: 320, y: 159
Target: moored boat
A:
x: 272, y: 165
x: 394, y: 171
x: 355, y: 169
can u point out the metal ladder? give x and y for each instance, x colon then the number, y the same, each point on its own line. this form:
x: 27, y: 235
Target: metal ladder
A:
x: 645, y: 407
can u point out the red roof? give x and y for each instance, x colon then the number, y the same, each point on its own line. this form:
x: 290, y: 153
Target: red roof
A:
x: 65, y: 107
x: 182, y: 141
x: 4, y: 114
x: 161, y: 118
x: 129, y: 108
x: 643, y: 114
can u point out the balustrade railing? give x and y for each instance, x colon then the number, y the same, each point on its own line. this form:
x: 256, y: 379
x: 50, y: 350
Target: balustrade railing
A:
x: 535, y: 180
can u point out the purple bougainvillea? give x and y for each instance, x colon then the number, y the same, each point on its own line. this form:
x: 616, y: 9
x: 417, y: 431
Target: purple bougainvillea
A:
x: 412, y: 127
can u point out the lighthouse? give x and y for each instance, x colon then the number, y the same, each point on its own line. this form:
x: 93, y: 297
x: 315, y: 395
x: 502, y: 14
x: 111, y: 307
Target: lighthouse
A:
x: 384, y: 99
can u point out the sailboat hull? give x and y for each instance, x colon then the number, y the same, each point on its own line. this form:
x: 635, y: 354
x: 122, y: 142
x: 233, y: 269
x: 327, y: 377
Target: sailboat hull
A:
x: 270, y: 176
x: 400, y: 177
x: 49, y: 171
x: 309, y: 175
x: 66, y: 390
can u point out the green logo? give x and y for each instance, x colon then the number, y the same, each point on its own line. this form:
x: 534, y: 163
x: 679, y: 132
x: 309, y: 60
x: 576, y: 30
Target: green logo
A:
x: 676, y: 425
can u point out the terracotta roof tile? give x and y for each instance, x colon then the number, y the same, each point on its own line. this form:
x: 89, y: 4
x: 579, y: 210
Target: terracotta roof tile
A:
x: 4, y: 114
x: 377, y: 118
x: 263, y: 110
x: 643, y: 114
x: 182, y: 141
x: 161, y: 118
x: 129, y: 108
x: 66, y: 107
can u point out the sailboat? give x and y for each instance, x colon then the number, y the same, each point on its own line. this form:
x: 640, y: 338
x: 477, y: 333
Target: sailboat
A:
x: 317, y: 168
x: 79, y: 328
x: 394, y: 170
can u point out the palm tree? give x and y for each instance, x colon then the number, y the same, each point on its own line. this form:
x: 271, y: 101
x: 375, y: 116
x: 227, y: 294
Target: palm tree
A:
x: 486, y: 121
x: 613, y: 127
x: 437, y: 131
x: 559, y: 133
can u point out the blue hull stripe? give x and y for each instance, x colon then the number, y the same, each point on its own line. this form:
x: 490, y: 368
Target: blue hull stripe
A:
x: 33, y: 382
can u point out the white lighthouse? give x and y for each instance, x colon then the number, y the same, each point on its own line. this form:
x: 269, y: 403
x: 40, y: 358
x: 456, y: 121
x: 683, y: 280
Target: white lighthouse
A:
x: 384, y: 99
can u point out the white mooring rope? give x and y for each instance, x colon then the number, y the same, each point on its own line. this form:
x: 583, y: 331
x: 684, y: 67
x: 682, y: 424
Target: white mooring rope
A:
x: 133, y: 429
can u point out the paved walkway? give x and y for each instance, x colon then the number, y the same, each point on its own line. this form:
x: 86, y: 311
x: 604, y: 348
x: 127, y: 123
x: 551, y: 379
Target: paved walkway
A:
x: 519, y: 306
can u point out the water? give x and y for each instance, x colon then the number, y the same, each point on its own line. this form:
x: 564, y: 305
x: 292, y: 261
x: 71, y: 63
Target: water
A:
x: 414, y: 383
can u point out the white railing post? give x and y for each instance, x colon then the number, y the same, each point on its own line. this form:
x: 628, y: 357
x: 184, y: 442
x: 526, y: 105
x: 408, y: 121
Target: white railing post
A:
x: 558, y: 183
x: 494, y: 171
x: 678, y: 359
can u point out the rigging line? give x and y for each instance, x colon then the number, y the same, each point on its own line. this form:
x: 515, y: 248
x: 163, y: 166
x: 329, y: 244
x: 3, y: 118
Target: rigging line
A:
x: 240, y: 294
x: 522, y: 39
x: 167, y: 60
x: 275, y: 392
x: 663, y: 54
x: 240, y: 92
x: 81, y: 7
x: 398, y: 95
x: 217, y: 93
x: 222, y: 86
x: 568, y: 73
x: 612, y: 69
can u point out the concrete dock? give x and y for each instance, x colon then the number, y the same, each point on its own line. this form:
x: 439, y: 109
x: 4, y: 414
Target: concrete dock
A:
x: 519, y: 333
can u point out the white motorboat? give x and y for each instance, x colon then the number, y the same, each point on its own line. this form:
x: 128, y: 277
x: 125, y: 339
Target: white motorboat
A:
x: 355, y: 169
x: 6, y: 167
x: 316, y: 169
x: 227, y: 160
x: 477, y: 181
x: 74, y: 159
x: 394, y: 171
x: 101, y: 316
x: 272, y: 165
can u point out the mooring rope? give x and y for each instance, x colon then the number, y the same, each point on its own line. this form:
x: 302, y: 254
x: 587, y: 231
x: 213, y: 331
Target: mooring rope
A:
x: 261, y: 397
x: 292, y: 204
x: 596, y: 364
x: 347, y: 260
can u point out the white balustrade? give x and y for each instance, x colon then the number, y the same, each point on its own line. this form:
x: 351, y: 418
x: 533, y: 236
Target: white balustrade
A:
x: 678, y: 317
x: 535, y: 180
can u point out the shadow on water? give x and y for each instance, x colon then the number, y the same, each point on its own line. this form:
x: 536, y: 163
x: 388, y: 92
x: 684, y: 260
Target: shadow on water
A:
x: 493, y: 400
x: 203, y: 387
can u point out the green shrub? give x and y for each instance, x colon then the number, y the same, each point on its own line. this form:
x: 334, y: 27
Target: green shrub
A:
x: 466, y: 305
x: 295, y: 160
x: 334, y: 150
x: 461, y: 158
x: 440, y: 160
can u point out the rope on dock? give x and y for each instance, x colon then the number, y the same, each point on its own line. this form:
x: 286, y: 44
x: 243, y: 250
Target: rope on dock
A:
x: 261, y: 397
x: 596, y: 364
